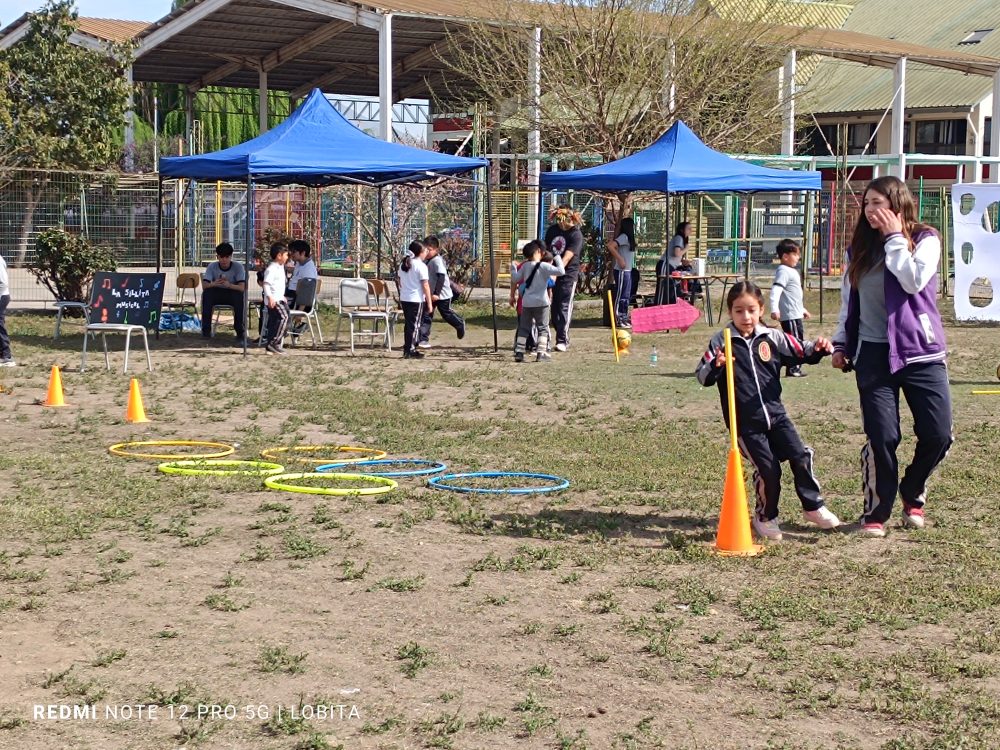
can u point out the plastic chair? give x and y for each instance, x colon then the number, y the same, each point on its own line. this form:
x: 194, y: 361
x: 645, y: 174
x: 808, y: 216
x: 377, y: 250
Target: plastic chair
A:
x: 383, y: 301
x: 229, y: 309
x: 306, y: 308
x: 63, y: 305
x: 355, y: 304
x: 185, y: 281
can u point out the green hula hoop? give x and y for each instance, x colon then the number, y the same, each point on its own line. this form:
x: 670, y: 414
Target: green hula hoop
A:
x: 381, y: 484
x: 125, y: 449
x: 218, y: 468
x: 294, y: 453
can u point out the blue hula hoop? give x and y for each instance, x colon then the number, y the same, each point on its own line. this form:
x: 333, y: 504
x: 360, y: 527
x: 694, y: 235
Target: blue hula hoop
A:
x: 440, y: 483
x: 361, y: 467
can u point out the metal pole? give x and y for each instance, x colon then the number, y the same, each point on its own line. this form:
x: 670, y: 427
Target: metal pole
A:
x: 249, y: 251
x: 746, y: 228
x: 159, y: 232
x: 378, y: 251
x: 489, y: 244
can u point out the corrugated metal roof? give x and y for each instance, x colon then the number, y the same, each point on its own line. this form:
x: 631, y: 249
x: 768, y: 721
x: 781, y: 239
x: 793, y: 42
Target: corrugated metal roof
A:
x: 839, y: 86
x: 826, y: 14
x: 112, y: 29
x: 206, y: 40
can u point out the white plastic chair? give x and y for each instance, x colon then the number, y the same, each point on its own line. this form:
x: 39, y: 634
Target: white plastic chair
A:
x: 306, y: 293
x: 355, y: 304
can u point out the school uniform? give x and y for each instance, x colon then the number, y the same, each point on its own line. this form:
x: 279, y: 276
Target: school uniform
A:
x: 306, y: 270
x: 535, y: 308
x: 277, y: 316
x: 765, y: 432
x: 411, y: 298
x: 786, y: 300
x: 891, y: 330
x: 440, y: 285
x: 5, y: 354
x: 623, y: 279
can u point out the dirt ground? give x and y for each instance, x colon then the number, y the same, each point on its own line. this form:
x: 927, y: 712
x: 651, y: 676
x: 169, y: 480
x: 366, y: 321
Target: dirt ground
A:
x: 231, y: 616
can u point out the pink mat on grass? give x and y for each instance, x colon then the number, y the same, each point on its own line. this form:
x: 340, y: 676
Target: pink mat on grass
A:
x: 680, y: 316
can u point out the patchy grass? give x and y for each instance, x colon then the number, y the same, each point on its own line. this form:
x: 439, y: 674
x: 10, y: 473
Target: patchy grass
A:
x: 456, y: 620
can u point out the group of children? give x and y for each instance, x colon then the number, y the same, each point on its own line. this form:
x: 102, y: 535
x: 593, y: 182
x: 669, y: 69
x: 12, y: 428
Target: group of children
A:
x: 424, y: 285
x: 280, y: 291
x: 889, y: 330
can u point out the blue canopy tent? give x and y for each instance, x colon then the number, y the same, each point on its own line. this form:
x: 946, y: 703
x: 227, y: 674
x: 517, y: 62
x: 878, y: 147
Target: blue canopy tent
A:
x: 678, y: 162
x: 316, y: 146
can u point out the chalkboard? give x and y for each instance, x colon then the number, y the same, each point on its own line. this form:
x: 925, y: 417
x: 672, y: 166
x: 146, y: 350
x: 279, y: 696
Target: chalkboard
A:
x: 132, y: 298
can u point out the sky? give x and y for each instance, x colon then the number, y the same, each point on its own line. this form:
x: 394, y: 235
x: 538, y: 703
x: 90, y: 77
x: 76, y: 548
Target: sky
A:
x: 129, y: 10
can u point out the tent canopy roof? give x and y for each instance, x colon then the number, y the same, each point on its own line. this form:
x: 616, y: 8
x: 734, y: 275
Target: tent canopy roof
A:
x: 317, y: 146
x: 679, y: 162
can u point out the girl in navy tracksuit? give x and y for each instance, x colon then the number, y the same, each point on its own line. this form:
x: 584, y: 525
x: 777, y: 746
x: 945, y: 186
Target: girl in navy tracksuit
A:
x: 766, y: 434
x: 890, y: 332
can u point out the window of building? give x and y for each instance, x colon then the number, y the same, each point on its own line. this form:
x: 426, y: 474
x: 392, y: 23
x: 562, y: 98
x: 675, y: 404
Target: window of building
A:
x: 940, y: 136
x: 858, y: 135
x: 988, y: 137
x: 975, y: 37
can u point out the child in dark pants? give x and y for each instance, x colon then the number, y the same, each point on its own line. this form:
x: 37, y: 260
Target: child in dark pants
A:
x: 274, y: 298
x: 6, y: 358
x: 766, y: 434
x: 786, y: 297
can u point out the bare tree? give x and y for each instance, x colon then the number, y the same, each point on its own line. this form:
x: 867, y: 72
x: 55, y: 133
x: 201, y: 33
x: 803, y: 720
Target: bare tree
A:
x: 615, y: 74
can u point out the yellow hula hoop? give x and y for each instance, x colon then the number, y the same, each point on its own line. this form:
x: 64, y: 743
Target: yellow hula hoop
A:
x: 381, y: 484
x: 356, y: 453
x: 124, y: 449
x: 218, y: 468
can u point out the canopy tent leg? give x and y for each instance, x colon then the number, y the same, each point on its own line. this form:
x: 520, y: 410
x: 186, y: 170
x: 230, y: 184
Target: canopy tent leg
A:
x: 748, y: 209
x: 249, y: 253
x: 489, y: 245
x: 378, y: 235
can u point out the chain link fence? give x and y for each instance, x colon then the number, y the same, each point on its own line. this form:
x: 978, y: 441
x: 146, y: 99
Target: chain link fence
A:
x: 120, y: 211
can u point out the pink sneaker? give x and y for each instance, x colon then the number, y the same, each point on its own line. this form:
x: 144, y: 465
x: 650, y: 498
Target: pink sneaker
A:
x: 913, y: 516
x: 872, y: 529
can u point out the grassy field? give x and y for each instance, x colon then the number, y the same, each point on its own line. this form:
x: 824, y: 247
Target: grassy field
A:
x: 238, y: 617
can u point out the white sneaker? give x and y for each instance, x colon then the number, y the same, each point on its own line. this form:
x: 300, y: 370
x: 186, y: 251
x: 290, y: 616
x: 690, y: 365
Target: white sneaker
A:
x: 767, y: 529
x: 561, y: 347
x: 822, y: 517
x: 424, y: 345
x: 8, y: 363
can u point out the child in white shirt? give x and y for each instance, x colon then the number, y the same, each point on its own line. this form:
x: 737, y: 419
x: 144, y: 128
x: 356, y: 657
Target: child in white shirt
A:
x: 414, y: 296
x: 274, y: 299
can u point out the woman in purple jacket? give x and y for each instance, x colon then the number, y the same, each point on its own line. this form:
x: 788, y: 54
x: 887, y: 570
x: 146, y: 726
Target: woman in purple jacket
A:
x: 890, y: 332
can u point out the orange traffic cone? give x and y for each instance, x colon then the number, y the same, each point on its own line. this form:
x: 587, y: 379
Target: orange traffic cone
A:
x: 55, y: 394
x: 135, y: 412
x: 734, y: 537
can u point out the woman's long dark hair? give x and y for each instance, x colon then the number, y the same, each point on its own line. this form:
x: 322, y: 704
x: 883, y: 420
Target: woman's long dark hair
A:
x: 414, y: 251
x: 867, y: 247
x: 628, y: 229
x: 680, y: 231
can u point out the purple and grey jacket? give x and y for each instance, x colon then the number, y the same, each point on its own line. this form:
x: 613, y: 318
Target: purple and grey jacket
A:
x: 915, y: 330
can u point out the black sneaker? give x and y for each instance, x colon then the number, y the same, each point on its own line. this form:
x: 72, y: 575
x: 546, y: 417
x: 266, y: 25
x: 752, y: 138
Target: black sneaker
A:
x: 414, y: 355
x: 461, y: 332
x: 272, y: 349
x: 519, y: 356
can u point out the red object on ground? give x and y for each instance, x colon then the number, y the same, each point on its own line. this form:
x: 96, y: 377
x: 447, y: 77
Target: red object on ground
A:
x: 680, y: 315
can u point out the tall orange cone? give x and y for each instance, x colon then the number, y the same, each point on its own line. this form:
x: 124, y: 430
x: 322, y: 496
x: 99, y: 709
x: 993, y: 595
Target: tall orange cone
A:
x: 55, y: 394
x: 135, y: 411
x: 733, y: 537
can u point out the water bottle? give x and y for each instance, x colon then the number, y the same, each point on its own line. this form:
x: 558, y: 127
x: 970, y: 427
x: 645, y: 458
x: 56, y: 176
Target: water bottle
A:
x: 654, y: 358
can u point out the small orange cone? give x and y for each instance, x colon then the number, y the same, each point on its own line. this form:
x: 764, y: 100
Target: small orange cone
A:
x: 135, y: 412
x: 734, y: 537
x: 55, y: 394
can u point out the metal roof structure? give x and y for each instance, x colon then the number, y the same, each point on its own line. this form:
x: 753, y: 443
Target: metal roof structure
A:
x: 334, y: 45
x: 91, y: 32
x: 840, y: 87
